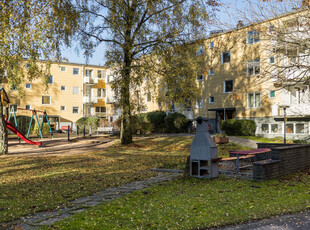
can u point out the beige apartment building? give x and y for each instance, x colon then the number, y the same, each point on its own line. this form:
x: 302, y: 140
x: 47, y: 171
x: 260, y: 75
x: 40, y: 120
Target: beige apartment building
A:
x: 74, y: 91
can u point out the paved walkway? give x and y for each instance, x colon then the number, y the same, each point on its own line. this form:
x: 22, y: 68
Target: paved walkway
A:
x: 299, y: 221
x: 40, y: 219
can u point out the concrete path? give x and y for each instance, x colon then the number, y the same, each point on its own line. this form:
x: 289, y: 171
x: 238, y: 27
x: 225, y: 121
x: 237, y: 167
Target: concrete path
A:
x: 299, y: 221
x: 243, y: 141
x: 41, y: 219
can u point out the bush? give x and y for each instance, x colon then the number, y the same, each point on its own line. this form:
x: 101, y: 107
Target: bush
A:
x: 239, y: 127
x: 157, y: 120
x: 88, y: 121
x: 175, y: 122
x: 45, y: 129
x: 146, y: 127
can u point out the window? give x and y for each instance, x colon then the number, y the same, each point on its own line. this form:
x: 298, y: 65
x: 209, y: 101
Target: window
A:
x: 51, y: 80
x: 225, y: 57
x: 28, y: 86
x: 274, y: 128
x: 200, y: 50
x: 253, y: 67
x: 289, y: 128
x: 254, y: 100
x: 101, y: 109
x: 253, y: 36
x: 265, y: 128
x: 75, y: 109
x: 27, y: 66
x: 88, y: 72
x: 211, y: 100
x: 211, y: 45
x: 62, y: 108
x: 272, y: 94
x: 76, y: 71
x: 63, y: 88
x: 62, y: 68
x: 75, y: 90
x: 13, y: 87
x: 199, y: 103
x: 27, y: 107
x: 100, y: 93
x: 300, y: 128
x: 13, y: 108
x: 228, y: 86
x: 199, y: 77
x: 271, y: 60
x: 46, y: 100
x: 211, y: 72
x: 101, y: 73
x: 148, y: 97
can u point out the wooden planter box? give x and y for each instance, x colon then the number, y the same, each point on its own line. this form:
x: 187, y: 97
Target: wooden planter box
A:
x: 221, y: 140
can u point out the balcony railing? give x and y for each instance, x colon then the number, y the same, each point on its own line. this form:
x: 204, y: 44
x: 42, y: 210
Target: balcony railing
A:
x: 90, y: 80
x: 110, y: 100
x: 90, y: 100
x: 101, y: 114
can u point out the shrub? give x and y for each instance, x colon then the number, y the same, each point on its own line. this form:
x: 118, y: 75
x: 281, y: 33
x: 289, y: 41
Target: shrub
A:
x: 88, y: 121
x: 175, y: 122
x: 146, y: 127
x: 239, y: 127
x: 45, y: 129
x: 157, y: 120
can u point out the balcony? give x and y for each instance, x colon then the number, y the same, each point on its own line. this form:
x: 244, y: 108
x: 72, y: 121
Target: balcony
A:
x: 90, y: 80
x: 90, y: 100
x: 110, y: 100
x: 101, y: 114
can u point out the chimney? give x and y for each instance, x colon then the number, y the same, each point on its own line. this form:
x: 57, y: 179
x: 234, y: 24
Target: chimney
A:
x: 65, y: 60
x: 240, y: 24
x: 305, y: 4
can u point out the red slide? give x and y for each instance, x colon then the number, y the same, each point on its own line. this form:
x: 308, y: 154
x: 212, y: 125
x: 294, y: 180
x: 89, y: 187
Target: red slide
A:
x: 11, y: 127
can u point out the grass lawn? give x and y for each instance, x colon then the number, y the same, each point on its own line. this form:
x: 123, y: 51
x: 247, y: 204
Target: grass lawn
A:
x: 189, y: 203
x: 32, y: 184
x: 267, y: 140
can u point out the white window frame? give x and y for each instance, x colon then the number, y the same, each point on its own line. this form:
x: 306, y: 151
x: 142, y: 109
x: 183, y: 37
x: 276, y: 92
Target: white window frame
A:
x: 89, y: 72
x: 211, y: 45
x: 199, y: 103
x: 102, y: 92
x: 254, y: 104
x: 253, y: 37
x: 146, y: 97
x: 222, y: 57
x: 76, y: 68
x: 77, y: 88
x: 210, y: 102
x: 272, y: 58
x: 49, y: 100
x: 28, y: 84
x: 51, y: 78
x: 29, y: 106
x: 63, y: 89
x: 61, y: 68
x: 224, y: 86
x: 268, y: 129
x: 63, y: 109
x: 277, y: 128
x: 295, y: 129
x: 211, y: 72
x: 252, y: 65
x: 76, y: 107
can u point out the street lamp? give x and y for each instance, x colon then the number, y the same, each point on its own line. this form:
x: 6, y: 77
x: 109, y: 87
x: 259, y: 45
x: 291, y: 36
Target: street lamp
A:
x: 284, y: 107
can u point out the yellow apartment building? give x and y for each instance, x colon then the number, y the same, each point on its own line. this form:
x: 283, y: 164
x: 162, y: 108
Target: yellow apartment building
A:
x: 249, y: 75
x: 74, y: 91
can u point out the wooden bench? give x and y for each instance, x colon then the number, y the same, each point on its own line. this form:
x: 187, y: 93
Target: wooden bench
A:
x: 104, y: 130
x: 237, y: 159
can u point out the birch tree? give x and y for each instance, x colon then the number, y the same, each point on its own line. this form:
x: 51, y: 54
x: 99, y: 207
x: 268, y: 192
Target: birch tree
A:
x: 31, y: 30
x: 133, y: 29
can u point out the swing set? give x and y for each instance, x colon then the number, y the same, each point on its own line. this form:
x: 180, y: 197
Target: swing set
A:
x: 14, y: 110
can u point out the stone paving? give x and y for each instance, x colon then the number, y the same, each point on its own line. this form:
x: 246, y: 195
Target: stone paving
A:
x: 81, y: 204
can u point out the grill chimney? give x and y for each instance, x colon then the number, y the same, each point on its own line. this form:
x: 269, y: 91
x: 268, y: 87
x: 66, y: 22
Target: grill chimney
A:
x: 203, y: 159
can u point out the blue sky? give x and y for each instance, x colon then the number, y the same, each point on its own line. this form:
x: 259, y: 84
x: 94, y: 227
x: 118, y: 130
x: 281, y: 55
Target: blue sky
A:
x: 228, y: 16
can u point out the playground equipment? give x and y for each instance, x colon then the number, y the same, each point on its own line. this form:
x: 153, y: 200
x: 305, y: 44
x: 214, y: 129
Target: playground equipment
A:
x: 34, y: 116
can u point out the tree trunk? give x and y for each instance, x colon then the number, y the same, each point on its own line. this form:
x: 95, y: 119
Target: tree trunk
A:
x: 126, y: 131
x: 3, y: 133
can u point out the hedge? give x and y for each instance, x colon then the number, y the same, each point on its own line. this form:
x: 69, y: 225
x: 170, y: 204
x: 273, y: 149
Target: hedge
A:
x: 239, y: 127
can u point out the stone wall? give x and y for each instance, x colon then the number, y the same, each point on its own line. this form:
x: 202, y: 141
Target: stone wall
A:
x: 284, y: 160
